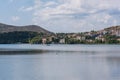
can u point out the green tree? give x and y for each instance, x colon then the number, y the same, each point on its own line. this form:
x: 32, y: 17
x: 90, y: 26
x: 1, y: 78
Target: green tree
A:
x: 36, y: 40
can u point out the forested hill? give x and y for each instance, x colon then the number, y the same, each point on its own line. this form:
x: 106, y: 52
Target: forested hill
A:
x: 4, y: 28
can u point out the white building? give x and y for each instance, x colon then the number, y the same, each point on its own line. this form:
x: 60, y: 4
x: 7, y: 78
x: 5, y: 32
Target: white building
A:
x: 44, y: 40
x: 62, y: 41
x: 117, y: 32
x: 80, y: 38
x: 100, y: 37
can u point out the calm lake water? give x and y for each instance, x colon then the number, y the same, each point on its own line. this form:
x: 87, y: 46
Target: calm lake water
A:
x: 61, y: 62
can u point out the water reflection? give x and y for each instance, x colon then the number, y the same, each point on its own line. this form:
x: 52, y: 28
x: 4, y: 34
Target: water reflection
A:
x: 20, y: 68
x: 59, y: 67
x: 114, y: 66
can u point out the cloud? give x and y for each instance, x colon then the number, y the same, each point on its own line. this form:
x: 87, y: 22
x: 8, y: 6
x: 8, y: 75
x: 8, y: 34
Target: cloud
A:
x: 66, y: 8
x: 26, y: 9
x: 50, y: 3
x: 15, y: 18
x: 75, y: 15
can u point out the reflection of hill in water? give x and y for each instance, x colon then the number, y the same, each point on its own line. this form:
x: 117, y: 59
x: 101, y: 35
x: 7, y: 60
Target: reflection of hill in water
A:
x: 97, y: 50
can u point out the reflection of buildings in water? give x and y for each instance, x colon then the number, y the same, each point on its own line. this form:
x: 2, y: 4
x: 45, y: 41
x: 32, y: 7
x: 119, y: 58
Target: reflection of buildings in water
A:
x: 114, y: 66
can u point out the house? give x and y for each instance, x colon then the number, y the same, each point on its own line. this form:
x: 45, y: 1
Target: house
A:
x: 62, y: 41
x: 100, y: 37
x: 104, y: 32
x: 50, y: 39
x: 118, y: 39
x: 44, y: 40
x: 81, y: 38
x: 73, y: 35
x: 90, y: 41
x: 69, y: 36
x: 118, y: 32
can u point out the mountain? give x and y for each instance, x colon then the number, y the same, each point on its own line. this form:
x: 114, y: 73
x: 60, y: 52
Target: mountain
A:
x: 4, y: 28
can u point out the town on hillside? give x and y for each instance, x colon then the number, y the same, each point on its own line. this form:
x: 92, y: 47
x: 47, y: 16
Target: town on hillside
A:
x: 107, y: 36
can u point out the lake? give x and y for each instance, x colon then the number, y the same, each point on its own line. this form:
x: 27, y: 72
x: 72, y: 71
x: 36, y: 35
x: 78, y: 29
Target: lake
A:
x: 60, y: 62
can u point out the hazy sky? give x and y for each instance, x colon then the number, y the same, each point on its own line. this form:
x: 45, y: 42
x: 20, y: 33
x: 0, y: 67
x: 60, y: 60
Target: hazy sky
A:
x: 61, y: 15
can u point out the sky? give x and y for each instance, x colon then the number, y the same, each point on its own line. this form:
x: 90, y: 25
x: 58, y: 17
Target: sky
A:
x: 61, y: 15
